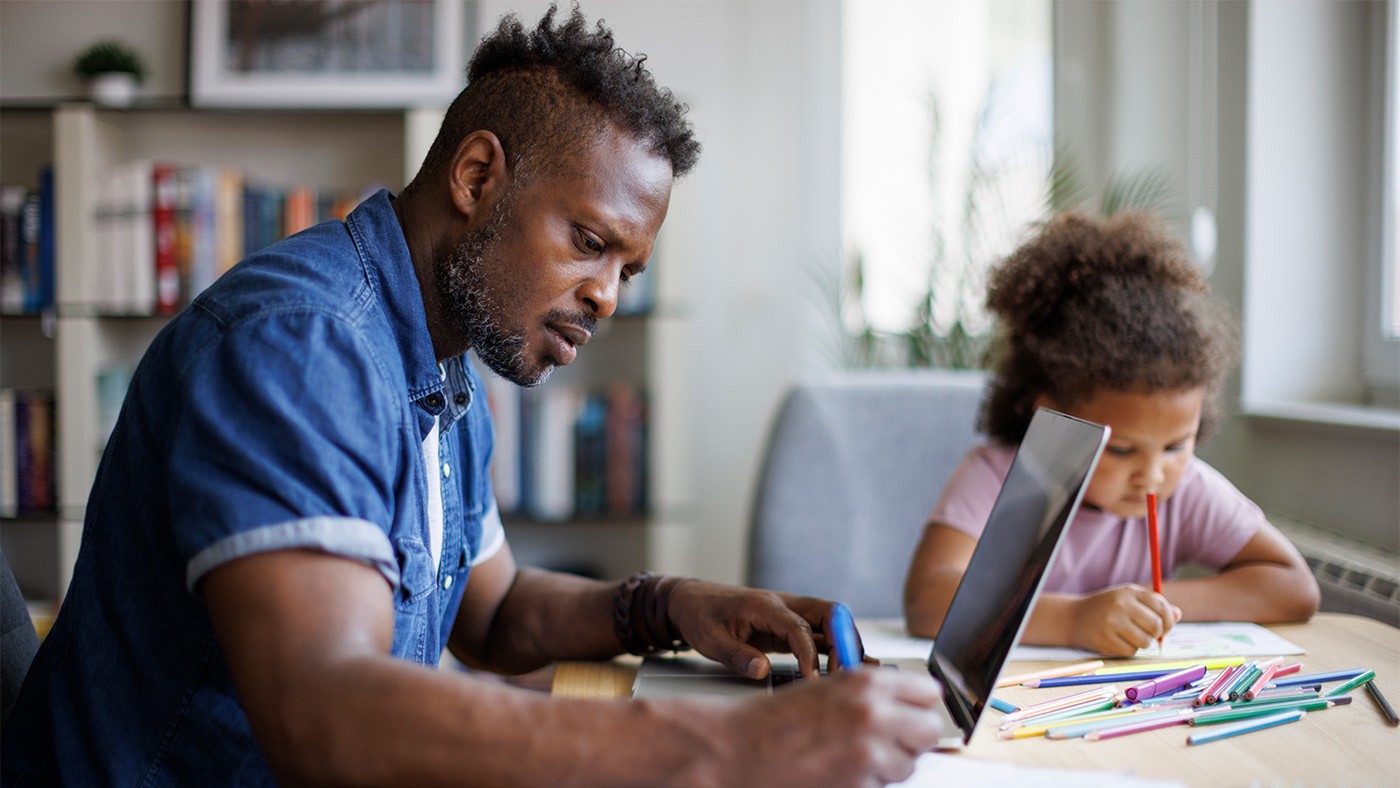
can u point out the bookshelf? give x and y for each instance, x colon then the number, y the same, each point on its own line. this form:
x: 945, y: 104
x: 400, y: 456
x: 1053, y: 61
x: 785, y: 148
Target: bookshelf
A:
x: 67, y: 347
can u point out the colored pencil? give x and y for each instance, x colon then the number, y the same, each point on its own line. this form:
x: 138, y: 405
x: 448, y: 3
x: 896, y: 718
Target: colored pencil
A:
x: 1078, y: 729
x: 1138, y: 727
x: 1207, y: 694
x: 1155, y: 548
x: 1073, y: 712
x: 1063, y: 670
x: 1313, y: 678
x: 1002, y: 706
x: 1021, y: 731
x: 1060, y: 703
x: 1218, y: 717
x: 1237, y: 688
x: 1382, y: 703
x: 1344, y: 688
x: 1164, y: 684
x: 1212, y: 690
x: 1246, y: 726
x: 1211, y: 664
x: 1094, y: 678
x: 1270, y: 668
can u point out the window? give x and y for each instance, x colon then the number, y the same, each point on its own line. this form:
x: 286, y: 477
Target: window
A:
x: 947, y: 146
x: 1382, y: 312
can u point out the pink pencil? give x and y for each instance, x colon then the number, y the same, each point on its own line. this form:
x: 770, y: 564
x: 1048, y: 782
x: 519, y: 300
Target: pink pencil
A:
x: 1270, y: 668
x: 1102, y: 693
x: 1138, y: 727
x: 1212, y: 692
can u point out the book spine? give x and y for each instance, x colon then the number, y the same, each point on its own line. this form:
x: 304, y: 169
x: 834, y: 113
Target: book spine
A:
x: 9, y: 478
x: 29, y: 251
x: 11, y: 249
x: 141, y: 236
x: 164, y: 191
x: 47, y: 242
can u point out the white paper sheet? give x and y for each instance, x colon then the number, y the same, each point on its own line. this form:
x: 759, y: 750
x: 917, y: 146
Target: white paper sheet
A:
x: 938, y: 770
x: 885, y: 638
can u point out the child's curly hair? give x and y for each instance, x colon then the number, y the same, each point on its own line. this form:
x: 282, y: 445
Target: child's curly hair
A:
x: 1093, y: 304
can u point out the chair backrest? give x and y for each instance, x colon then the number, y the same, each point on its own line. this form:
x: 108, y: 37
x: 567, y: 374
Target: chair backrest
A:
x: 853, y: 467
x: 18, y: 641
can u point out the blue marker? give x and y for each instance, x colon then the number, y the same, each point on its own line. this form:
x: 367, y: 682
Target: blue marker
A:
x: 843, y: 637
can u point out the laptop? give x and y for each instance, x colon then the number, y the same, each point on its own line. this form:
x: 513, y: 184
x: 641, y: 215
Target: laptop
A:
x: 1039, y: 497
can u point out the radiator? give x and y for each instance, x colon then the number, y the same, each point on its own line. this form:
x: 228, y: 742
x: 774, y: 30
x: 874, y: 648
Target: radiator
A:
x: 1354, y: 576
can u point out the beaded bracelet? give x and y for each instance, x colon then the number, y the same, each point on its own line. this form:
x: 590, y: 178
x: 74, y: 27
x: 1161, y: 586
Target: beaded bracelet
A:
x: 641, y: 618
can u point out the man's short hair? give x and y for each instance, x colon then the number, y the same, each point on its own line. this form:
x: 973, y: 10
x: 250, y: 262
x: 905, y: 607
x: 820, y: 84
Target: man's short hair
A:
x: 547, y: 93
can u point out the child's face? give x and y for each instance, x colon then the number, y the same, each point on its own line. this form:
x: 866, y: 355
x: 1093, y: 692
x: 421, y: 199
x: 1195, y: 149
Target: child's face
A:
x: 1152, y: 440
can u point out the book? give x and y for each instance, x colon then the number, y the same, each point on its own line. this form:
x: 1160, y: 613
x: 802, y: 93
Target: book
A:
x: 47, y: 250
x: 591, y: 457
x: 503, y: 398
x: 29, y: 251
x: 164, y: 196
x: 135, y: 203
x: 553, y: 453
x: 228, y: 219
x: 9, y: 478
x: 11, y: 249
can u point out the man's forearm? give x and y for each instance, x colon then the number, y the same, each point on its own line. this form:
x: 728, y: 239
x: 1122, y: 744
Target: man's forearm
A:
x: 401, y: 724
x: 548, y: 616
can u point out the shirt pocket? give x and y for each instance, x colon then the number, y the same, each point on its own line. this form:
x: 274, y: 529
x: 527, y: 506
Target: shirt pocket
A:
x: 416, y: 573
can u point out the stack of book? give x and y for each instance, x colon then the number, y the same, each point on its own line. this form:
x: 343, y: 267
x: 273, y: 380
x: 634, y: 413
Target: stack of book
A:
x: 27, y: 246
x: 165, y: 231
x: 564, y: 453
x: 28, y: 483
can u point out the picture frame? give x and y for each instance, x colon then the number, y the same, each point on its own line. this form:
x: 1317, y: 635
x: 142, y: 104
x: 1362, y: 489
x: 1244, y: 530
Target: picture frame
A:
x: 326, y: 53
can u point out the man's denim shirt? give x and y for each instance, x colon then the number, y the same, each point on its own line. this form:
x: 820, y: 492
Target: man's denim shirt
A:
x: 287, y: 408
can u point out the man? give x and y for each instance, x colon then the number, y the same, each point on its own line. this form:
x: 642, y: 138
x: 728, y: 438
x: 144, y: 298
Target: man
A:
x: 294, y: 514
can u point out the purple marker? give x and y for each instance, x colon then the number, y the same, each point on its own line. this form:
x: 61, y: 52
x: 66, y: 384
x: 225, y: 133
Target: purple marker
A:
x: 1165, y: 684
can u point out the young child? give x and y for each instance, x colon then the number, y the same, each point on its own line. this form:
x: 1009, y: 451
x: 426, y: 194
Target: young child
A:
x: 1110, y: 321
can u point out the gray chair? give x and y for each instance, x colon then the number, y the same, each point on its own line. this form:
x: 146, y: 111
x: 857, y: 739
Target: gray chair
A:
x: 853, y: 467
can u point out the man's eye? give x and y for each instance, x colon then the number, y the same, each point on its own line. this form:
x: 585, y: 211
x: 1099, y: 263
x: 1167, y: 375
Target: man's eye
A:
x: 589, y: 243
x: 625, y: 277
x: 1175, y: 447
x: 1120, y: 451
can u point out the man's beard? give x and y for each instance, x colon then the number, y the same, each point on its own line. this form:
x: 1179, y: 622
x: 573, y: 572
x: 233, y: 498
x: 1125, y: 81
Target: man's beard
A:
x: 475, y: 308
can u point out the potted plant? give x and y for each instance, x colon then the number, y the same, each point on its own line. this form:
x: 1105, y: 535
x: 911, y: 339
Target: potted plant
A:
x: 112, y: 70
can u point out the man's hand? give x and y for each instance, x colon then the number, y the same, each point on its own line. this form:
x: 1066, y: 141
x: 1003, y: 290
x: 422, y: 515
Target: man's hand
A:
x: 736, y: 626
x: 1120, y: 620
x: 861, y: 728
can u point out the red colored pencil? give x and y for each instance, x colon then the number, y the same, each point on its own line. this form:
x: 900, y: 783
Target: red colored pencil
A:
x: 1155, y: 547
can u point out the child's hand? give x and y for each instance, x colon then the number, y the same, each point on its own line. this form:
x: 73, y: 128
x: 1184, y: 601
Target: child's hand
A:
x: 1120, y: 620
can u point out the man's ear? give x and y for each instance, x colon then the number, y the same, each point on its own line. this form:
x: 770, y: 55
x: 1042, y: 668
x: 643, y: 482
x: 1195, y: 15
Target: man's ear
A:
x: 478, y: 173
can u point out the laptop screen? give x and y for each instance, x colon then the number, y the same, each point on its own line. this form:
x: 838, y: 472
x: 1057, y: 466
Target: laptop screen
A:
x: 1040, y: 495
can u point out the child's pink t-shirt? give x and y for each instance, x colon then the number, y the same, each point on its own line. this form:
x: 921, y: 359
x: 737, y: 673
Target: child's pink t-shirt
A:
x: 1206, y: 521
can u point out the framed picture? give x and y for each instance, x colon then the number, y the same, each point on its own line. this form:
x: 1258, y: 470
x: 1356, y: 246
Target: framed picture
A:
x: 326, y: 53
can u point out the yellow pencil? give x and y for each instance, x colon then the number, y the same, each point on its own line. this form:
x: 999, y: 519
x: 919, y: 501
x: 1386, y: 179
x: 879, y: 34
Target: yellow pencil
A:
x: 1211, y: 664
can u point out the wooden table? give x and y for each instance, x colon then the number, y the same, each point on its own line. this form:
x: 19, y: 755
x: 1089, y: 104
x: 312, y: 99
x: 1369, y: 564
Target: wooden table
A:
x: 1347, y: 745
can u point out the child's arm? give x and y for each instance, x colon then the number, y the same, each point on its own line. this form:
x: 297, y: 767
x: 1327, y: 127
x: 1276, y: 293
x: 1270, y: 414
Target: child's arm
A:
x: 939, y: 562
x: 1266, y: 582
x: 1116, y: 621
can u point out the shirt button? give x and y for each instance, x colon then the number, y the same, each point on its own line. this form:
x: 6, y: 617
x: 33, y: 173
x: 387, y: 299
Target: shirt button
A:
x: 446, y: 469
x: 446, y: 582
x: 434, y: 400
x: 461, y: 398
